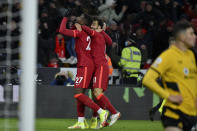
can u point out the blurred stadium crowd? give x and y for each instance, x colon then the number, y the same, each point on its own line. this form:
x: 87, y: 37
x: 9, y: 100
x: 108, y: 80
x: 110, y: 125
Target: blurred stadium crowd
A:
x: 145, y: 23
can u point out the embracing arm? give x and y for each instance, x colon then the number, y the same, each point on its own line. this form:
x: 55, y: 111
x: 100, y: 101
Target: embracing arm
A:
x: 89, y: 31
x: 64, y: 31
x: 107, y: 38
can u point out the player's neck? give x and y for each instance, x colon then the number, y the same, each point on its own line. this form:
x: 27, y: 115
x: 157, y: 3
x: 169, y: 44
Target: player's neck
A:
x: 180, y: 45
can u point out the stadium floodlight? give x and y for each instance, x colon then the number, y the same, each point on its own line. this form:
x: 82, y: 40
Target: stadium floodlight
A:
x: 28, y: 65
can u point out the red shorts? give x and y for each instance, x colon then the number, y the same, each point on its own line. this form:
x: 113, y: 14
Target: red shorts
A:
x: 101, y: 77
x: 83, y: 77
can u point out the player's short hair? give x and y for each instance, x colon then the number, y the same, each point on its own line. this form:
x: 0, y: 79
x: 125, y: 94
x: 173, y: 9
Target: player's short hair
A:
x: 171, y: 40
x: 88, y: 19
x: 181, y: 26
x: 100, y: 22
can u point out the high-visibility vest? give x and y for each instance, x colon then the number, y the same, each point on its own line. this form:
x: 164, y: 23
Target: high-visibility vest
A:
x: 109, y: 64
x: 131, y: 60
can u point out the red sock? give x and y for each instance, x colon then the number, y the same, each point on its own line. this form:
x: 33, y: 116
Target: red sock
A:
x: 104, y: 101
x: 87, y: 101
x: 80, y: 109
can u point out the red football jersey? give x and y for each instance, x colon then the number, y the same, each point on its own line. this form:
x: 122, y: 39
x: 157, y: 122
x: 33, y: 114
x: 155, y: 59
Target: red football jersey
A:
x: 98, y: 45
x: 82, y: 44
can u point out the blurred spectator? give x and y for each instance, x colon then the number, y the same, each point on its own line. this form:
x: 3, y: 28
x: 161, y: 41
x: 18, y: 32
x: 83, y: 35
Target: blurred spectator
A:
x: 142, y: 5
x: 141, y: 39
x: 63, y: 78
x: 45, y: 25
x: 53, y: 61
x: 55, y: 15
x: 60, y: 49
x: 49, y: 18
x: 41, y: 6
x: 110, y: 65
x: 148, y: 18
x: 190, y: 10
x: 44, y: 49
x: 169, y: 9
x: 108, y: 13
x: 70, y: 43
x: 161, y: 37
x: 114, y: 51
x: 155, y: 17
x: 69, y: 4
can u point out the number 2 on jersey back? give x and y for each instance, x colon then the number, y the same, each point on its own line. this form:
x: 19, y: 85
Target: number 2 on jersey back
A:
x: 89, y: 42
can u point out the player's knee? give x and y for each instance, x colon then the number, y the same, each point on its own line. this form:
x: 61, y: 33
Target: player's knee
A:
x: 97, y: 92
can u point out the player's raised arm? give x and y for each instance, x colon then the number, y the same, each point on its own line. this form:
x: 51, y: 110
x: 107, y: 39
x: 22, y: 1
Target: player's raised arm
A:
x: 89, y: 31
x: 64, y: 31
x: 107, y: 38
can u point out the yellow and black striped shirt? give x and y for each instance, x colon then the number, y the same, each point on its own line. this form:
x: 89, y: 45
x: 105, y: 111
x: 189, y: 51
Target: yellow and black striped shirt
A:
x: 179, y: 76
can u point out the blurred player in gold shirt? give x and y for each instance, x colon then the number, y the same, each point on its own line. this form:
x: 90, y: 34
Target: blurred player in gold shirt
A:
x: 177, y: 68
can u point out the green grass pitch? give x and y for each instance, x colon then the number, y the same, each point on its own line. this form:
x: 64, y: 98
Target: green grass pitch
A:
x: 62, y: 124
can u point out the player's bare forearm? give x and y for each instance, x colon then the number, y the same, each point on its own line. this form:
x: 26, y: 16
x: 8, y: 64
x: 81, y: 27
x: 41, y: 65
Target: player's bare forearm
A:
x: 89, y: 31
x: 63, y: 29
x: 107, y: 38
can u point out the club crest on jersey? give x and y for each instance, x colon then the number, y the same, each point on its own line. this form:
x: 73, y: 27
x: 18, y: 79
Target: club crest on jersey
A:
x: 186, y: 71
x: 157, y: 61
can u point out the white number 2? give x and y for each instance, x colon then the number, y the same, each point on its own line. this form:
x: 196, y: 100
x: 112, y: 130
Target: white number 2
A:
x: 89, y: 42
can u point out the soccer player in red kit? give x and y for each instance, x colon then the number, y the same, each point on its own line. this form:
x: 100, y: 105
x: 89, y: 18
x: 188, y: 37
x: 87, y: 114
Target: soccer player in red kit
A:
x: 85, y: 68
x: 100, y: 79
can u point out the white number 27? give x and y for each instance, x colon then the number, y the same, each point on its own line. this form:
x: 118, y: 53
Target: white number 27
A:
x: 78, y: 80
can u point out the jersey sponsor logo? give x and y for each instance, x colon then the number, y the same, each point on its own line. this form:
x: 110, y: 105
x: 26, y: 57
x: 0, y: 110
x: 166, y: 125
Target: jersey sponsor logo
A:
x: 193, y: 71
x: 190, y: 73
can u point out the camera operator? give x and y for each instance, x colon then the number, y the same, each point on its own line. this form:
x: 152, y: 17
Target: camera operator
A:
x: 63, y: 78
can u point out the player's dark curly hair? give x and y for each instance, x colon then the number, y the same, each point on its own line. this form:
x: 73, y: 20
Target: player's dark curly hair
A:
x: 88, y: 19
x: 100, y: 22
